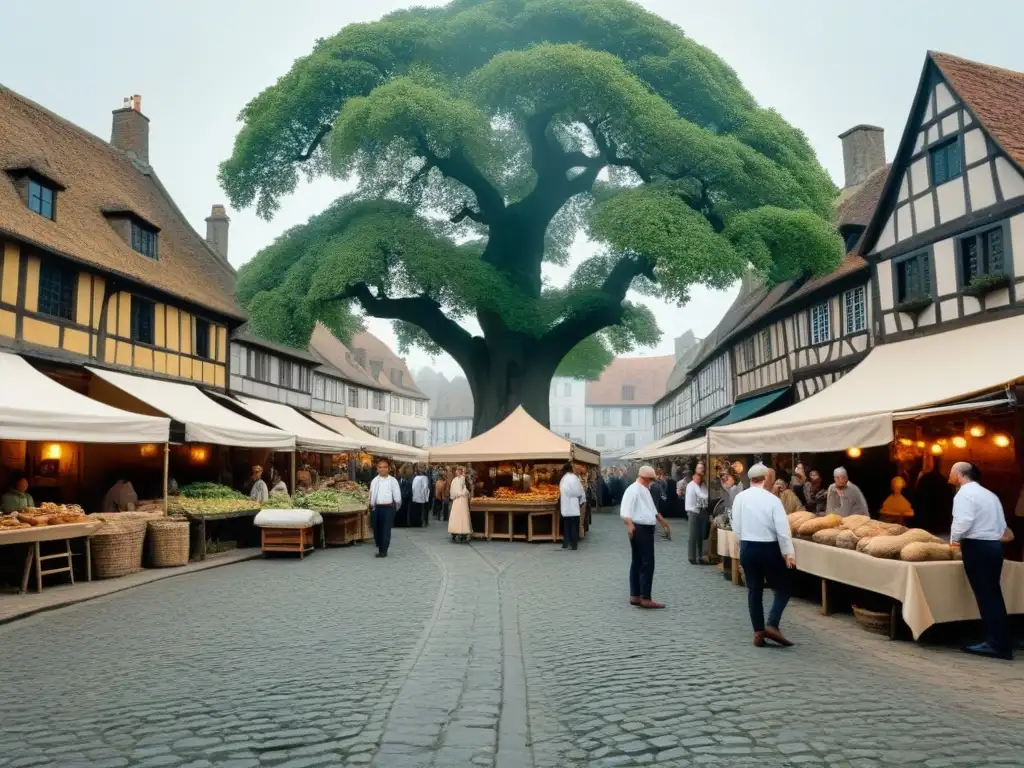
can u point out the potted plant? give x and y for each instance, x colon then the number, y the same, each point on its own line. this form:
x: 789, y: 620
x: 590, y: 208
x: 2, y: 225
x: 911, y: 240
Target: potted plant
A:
x: 914, y: 304
x: 982, y: 285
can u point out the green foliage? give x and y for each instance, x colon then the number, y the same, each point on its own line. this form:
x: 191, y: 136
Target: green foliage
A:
x: 477, y: 131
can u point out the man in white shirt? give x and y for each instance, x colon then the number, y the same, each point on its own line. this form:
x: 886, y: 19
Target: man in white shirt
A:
x: 695, y: 502
x: 640, y: 515
x: 571, y: 498
x: 766, y: 553
x: 385, y: 498
x: 421, y: 495
x: 979, y: 529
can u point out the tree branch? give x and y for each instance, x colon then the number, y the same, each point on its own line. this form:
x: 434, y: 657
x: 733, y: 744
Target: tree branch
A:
x: 421, y: 311
x: 467, y: 213
x: 304, y: 156
x: 600, y: 315
x: 458, y: 167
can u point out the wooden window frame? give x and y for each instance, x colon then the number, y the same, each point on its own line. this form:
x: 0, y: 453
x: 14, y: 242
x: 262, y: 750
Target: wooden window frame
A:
x: 66, y: 272
x: 145, y: 240
x: 848, y: 330
x: 138, y: 304
x: 827, y: 306
x: 943, y: 147
x: 43, y: 188
x: 978, y: 234
x: 202, y: 332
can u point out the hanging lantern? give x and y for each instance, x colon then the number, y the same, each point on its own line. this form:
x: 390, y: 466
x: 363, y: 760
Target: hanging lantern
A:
x: 959, y: 442
x: 977, y: 431
x: 1001, y: 441
x: 853, y: 453
x: 52, y: 451
x: 936, y: 449
x: 921, y: 443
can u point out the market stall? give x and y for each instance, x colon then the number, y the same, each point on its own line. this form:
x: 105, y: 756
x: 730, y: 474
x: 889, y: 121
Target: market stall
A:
x: 370, y: 443
x: 515, y: 469
x: 42, y: 423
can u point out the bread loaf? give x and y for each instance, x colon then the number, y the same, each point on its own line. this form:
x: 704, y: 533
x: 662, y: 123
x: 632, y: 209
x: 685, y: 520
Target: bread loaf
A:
x: 875, y: 528
x: 891, y: 546
x: 811, y: 527
x: 847, y: 540
x: 796, y: 519
x: 853, y: 522
x: 920, y: 551
x: 827, y: 536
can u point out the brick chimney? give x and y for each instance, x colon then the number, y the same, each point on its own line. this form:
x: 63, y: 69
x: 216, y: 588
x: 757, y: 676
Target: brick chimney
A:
x: 217, y: 230
x: 130, y: 132
x: 863, y: 152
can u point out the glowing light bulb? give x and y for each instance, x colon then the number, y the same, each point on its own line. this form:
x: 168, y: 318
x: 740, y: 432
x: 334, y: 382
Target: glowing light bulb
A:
x: 977, y: 431
x: 853, y: 453
x: 936, y: 449
x: 959, y: 442
x: 920, y: 443
x: 52, y: 451
x: 1001, y: 440
x: 906, y: 441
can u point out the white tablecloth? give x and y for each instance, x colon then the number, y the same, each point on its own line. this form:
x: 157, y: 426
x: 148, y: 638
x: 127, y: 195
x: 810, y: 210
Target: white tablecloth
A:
x: 287, y: 518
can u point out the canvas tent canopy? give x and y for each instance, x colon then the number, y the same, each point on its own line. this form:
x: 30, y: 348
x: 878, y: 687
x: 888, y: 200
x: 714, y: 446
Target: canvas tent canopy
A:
x: 648, y: 450
x: 309, y: 434
x: 205, y: 420
x: 35, y: 407
x: 697, y: 446
x: 518, y: 437
x: 368, y: 442
x: 894, y: 381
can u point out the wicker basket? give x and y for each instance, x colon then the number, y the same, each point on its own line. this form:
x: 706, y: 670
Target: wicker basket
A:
x: 873, y: 621
x: 168, y: 543
x: 117, y: 549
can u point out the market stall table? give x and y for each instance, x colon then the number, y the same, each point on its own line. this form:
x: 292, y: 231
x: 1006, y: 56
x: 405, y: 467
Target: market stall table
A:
x: 347, y: 525
x: 199, y: 530
x: 36, y: 535
x: 288, y: 530
x: 929, y: 592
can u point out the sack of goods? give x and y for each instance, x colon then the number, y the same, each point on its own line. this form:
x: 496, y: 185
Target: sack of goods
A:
x: 816, y: 524
x: 891, y: 546
x: 796, y: 519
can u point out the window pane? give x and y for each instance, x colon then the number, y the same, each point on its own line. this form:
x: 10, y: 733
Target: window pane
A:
x: 143, y: 315
x: 969, y: 259
x: 202, y: 338
x: 953, y: 158
x: 57, y: 290
x: 994, y: 251
x: 940, y: 173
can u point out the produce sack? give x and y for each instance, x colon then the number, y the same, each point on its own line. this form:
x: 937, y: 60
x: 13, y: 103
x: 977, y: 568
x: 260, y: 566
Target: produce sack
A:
x: 827, y: 537
x: 811, y: 527
x: 921, y: 551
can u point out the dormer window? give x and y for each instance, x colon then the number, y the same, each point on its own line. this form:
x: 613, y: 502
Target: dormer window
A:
x: 42, y: 199
x: 144, y: 240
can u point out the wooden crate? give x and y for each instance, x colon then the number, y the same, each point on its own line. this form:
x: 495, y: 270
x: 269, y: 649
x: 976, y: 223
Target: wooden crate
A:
x: 344, y: 528
x: 291, y: 540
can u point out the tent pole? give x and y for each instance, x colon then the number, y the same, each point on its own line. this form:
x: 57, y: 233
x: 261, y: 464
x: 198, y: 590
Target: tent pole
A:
x: 295, y: 486
x: 167, y: 472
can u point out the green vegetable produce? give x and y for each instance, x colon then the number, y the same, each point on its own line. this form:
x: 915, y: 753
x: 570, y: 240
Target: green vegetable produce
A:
x: 210, y: 491
x: 278, y: 501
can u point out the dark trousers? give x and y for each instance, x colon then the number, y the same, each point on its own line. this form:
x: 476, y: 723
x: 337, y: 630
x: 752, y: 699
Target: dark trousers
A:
x: 570, y: 532
x: 641, y: 567
x: 419, y: 511
x: 983, y: 562
x: 383, y: 520
x: 762, y: 561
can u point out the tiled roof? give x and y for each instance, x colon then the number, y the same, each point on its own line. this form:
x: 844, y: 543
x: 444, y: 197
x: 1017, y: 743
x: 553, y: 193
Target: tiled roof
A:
x: 377, y: 351
x: 646, y: 375
x: 244, y: 336
x: 326, y: 347
x: 97, y: 177
x: 994, y: 94
x: 681, y: 367
x: 856, y: 205
x: 852, y: 262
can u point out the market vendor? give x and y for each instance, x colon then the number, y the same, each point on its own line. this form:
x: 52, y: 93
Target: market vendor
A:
x: 896, y: 508
x: 278, y: 485
x: 121, y: 497
x: 259, y: 492
x: 845, y: 498
x: 16, y: 497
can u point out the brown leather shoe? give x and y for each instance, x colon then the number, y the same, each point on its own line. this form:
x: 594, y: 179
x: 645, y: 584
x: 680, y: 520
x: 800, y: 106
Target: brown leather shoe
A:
x: 772, y: 633
x: 651, y: 604
x: 634, y: 601
x: 759, y: 639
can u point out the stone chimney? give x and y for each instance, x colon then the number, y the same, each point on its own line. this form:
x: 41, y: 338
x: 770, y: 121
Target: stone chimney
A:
x: 685, y: 343
x: 863, y: 152
x: 217, y: 230
x: 130, y: 131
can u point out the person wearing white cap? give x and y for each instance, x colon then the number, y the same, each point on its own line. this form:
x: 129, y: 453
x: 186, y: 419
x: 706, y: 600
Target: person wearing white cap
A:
x: 766, y: 553
x: 640, y: 515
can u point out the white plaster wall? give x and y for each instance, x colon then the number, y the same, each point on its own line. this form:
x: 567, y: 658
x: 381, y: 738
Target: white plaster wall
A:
x: 945, y: 268
x: 904, y: 227
x: 885, y: 294
x: 1009, y: 180
x: 943, y: 98
x: 951, y: 199
x: 974, y: 146
x: 981, y: 187
x: 919, y: 176
x: 1017, y: 243
x: 887, y: 237
x: 924, y: 214
x: 950, y: 124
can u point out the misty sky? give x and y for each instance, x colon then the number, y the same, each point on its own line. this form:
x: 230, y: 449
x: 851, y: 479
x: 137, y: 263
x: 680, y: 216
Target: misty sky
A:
x: 826, y: 66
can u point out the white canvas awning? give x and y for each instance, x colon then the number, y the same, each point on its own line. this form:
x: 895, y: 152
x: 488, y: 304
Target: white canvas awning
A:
x: 697, y: 446
x: 518, y: 437
x: 35, y: 407
x: 205, y: 421
x: 894, y: 379
x: 661, y: 442
x: 368, y: 442
x: 309, y: 435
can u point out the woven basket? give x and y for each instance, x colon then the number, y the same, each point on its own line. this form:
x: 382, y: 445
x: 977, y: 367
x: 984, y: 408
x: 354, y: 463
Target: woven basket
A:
x: 118, y: 550
x: 873, y: 621
x: 168, y: 543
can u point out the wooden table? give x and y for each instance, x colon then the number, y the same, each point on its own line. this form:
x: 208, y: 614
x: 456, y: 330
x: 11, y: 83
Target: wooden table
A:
x: 36, y: 535
x: 200, y: 521
x: 496, y: 510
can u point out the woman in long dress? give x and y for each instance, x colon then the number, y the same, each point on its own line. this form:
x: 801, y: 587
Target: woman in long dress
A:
x: 459, y: 524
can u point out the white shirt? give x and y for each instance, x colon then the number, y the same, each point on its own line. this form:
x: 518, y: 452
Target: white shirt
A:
x: 571, y: 495
x: 385, y: 491
x: 695, y: 494
x: 259, y: 491
x: 977, y: 514
x: 638, y: 506
x: 758, y: 515
x: 420, y: 489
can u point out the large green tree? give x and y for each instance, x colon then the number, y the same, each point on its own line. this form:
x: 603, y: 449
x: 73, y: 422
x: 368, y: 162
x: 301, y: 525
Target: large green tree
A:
x: 485, y: 135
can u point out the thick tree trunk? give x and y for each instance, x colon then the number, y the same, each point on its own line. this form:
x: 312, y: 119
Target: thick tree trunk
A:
x: 514, y: 371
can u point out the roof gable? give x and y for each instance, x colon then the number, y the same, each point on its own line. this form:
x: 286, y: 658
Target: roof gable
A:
x: 379, y: 356
x: 984, y: 107
x: 99, y: 177
x: 645, y: 376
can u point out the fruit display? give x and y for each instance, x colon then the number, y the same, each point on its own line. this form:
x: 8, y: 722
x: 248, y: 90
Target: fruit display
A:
x: 210, y: 491
x: 542, y: 492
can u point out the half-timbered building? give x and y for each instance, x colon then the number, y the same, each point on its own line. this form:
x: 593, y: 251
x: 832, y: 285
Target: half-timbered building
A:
x: 946, y: 242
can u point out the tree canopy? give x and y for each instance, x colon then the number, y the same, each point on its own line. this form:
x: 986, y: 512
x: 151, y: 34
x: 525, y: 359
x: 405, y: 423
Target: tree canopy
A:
x: 485, y: 136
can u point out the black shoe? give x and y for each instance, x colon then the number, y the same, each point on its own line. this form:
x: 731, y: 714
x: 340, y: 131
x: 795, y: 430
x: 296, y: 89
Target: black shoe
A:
x: 574, y: 549
x: 381, y: 554
x: 984, y: 649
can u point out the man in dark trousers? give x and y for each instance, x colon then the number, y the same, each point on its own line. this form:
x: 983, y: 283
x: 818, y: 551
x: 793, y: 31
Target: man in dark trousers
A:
x: 979, y: 529
x: 385, y: 498
x: 640, y: 515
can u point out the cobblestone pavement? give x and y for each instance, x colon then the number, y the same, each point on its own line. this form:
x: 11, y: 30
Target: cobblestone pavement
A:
x: 490, y: 654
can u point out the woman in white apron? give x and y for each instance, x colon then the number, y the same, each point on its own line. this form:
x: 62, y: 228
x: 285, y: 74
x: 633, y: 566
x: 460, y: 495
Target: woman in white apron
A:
x: 459, y: 524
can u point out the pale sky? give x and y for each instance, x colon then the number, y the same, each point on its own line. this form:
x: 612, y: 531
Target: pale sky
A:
x: 826, y: 66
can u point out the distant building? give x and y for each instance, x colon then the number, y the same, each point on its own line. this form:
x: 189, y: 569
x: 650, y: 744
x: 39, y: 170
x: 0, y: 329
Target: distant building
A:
x: 567, y: 408
x: 620, y: 405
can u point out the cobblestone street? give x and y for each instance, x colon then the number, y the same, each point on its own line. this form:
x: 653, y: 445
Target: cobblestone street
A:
x: 492, y: 654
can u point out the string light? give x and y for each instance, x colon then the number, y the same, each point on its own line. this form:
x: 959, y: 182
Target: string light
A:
x: 853, y: 453
x: 977, y: 431
x: 1001, y: 441
x: 936, y: 449
x: 959, y: 442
